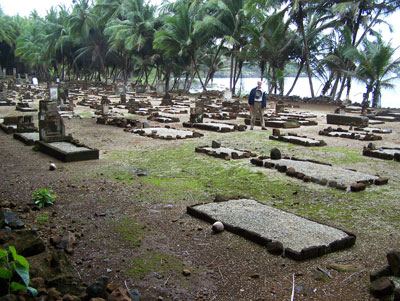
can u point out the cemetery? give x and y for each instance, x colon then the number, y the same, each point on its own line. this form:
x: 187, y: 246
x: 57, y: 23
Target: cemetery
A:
x: 320, y: 205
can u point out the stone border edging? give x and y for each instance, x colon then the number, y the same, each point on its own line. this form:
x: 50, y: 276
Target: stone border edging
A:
x: 276, y: 247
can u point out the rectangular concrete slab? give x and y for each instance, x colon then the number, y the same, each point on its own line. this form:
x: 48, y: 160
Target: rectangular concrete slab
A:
x: 67, y: 151
x: 301, y: 238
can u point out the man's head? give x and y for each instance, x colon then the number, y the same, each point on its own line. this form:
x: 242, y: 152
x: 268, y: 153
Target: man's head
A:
x: 259, y: 83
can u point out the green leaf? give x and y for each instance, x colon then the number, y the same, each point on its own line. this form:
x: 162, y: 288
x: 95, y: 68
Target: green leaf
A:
x: 3, y: 253
x: 5, y: 273
x: 32, y: 290
x: 23, y: 272
x: 15, y: 286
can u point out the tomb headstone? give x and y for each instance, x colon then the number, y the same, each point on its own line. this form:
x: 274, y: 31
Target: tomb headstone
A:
x: 4, y: 72
x: 35, y: 81
x: 227, y: 95
x: 2, y: 75
x: 105, y: 102
x: 123, y: 99
x: 120, y: 90
x: 51, y: 125
x: 140, y: 88
x: 160, y: 88
x: 53, y: 92
x: 279, y: 107
x: 166, y: 100
x: 196, y: 113
x: 14, y: 72
x: 27, y: 80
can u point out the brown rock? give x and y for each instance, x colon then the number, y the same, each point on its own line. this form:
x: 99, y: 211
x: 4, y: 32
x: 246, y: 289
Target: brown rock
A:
x: 393, y: 258
x: 381, y: 287
x: 186, y: 272
x: 291, y: 172
x: 381, y: 181
x: 69, y: 297
x: 119, y: 294
x: 53, y: 294
x: 323, y: 182
x: 355, y: 187
x: 37, y: 282
x: 385, y: 271
x: 275, y: 247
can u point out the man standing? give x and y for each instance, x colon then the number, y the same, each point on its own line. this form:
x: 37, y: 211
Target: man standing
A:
x: 257, y: 104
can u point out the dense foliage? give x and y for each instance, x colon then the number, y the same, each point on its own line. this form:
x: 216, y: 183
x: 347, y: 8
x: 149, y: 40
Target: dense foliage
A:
x: 186, y: 40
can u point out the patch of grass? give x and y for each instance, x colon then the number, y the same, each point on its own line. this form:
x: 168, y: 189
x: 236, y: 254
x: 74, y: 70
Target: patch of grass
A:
x: 43, y: 217
x: 341, y: 155
x: 130, y: 231
x: 161, y: 263
x: 86, y: 114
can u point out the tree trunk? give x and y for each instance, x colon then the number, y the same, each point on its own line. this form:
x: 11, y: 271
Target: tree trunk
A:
x: 297, y: 77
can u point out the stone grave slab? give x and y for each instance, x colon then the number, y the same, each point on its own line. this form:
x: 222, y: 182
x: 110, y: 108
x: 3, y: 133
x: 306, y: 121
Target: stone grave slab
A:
x: 220, y: 116
x: 162, y: 118
x: 24, y: 107
x: 299, y: 115
x: 217, y: 127
x: 27, y: 138
x: 375, y: 122
x: 346, y: 120
x: 300, y: 140
x: 275, y: 123
x: 320, y: 173
x: 18, y: 124
x: 374, y: 130
x: 385, y: 118
x: 281, y: 232
x: 166, y: 133
x: 386, y: 153
x: 224, y: 152
x: 339, y: 132
x: 68, y: 151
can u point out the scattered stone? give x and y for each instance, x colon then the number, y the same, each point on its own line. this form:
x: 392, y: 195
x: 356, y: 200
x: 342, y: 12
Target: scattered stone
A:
x: 275, y: 154
x: 381, y: 287
x: 218, y: 227
x: 319, y: 275
x: 215, y: 144
x: 382, y: 272
x: 356, y: 187
x: 11, y: 220
x: 393, y: 258
x: 52, y: 166
x: 98, y: 289
x: 349, y: 267
x: 119, y: 294
x: 135, y: 295
x: 275, y: 247
x: 186, y: 272
x: 381, y: 181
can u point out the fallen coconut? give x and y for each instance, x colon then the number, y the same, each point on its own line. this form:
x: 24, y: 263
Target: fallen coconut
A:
x: 52, y: 166
x: 218, y: 227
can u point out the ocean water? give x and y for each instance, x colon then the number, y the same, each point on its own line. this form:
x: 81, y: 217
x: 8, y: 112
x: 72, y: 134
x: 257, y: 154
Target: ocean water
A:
x: 390, y: 97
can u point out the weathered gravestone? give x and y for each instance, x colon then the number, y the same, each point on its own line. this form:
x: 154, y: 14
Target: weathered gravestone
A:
x: 140, y: 88
x: 160, y: 88
x: 52, y: 138
x: 120, y: 90
x: 196, y: 113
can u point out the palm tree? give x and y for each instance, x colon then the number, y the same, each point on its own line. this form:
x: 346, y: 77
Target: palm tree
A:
x: 375, y: 68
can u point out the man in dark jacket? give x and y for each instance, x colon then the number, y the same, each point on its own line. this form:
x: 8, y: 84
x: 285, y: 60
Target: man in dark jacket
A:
x: 257, y: 104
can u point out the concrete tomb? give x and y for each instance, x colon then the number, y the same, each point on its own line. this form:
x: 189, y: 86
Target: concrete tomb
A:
x: 18, y: 124
x: 120, y: 90
x: 217, y: 127
x: 339, y: 132
x: 347, y: 120
x: 223, y: 152
x: 156, y: 116
x: 385, y: 153
x: 286, y: 124
x: 140, y: 89
x: 52, y: 138
x: 295, y: 139
x: 374, y: 130
x: 166, y: 133
x: 320, y: 173
x: 281, y: 232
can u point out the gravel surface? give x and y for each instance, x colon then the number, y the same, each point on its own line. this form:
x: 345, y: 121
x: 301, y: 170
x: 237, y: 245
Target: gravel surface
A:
x: 291, y: 230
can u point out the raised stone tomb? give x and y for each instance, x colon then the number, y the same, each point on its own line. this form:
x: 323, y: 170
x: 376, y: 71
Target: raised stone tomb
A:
x: 320, y: 173
x: 27, y: 138
x: 374, y: 130
x: 339, y: 132
x: 217, y: 127
x: 224, y: 152
x: 385, y: 153
x: 300, y: 140
x: 166, y: 133
x: 275, y: 123
x: 342, y: 119
x: 282, y: 233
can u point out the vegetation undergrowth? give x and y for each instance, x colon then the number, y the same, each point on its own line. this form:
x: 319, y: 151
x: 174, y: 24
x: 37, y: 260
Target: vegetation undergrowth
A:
x: 179, y: 173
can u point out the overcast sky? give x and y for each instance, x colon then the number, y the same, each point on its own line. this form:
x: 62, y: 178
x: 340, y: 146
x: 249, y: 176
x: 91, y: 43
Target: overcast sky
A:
x: 25, y: 7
